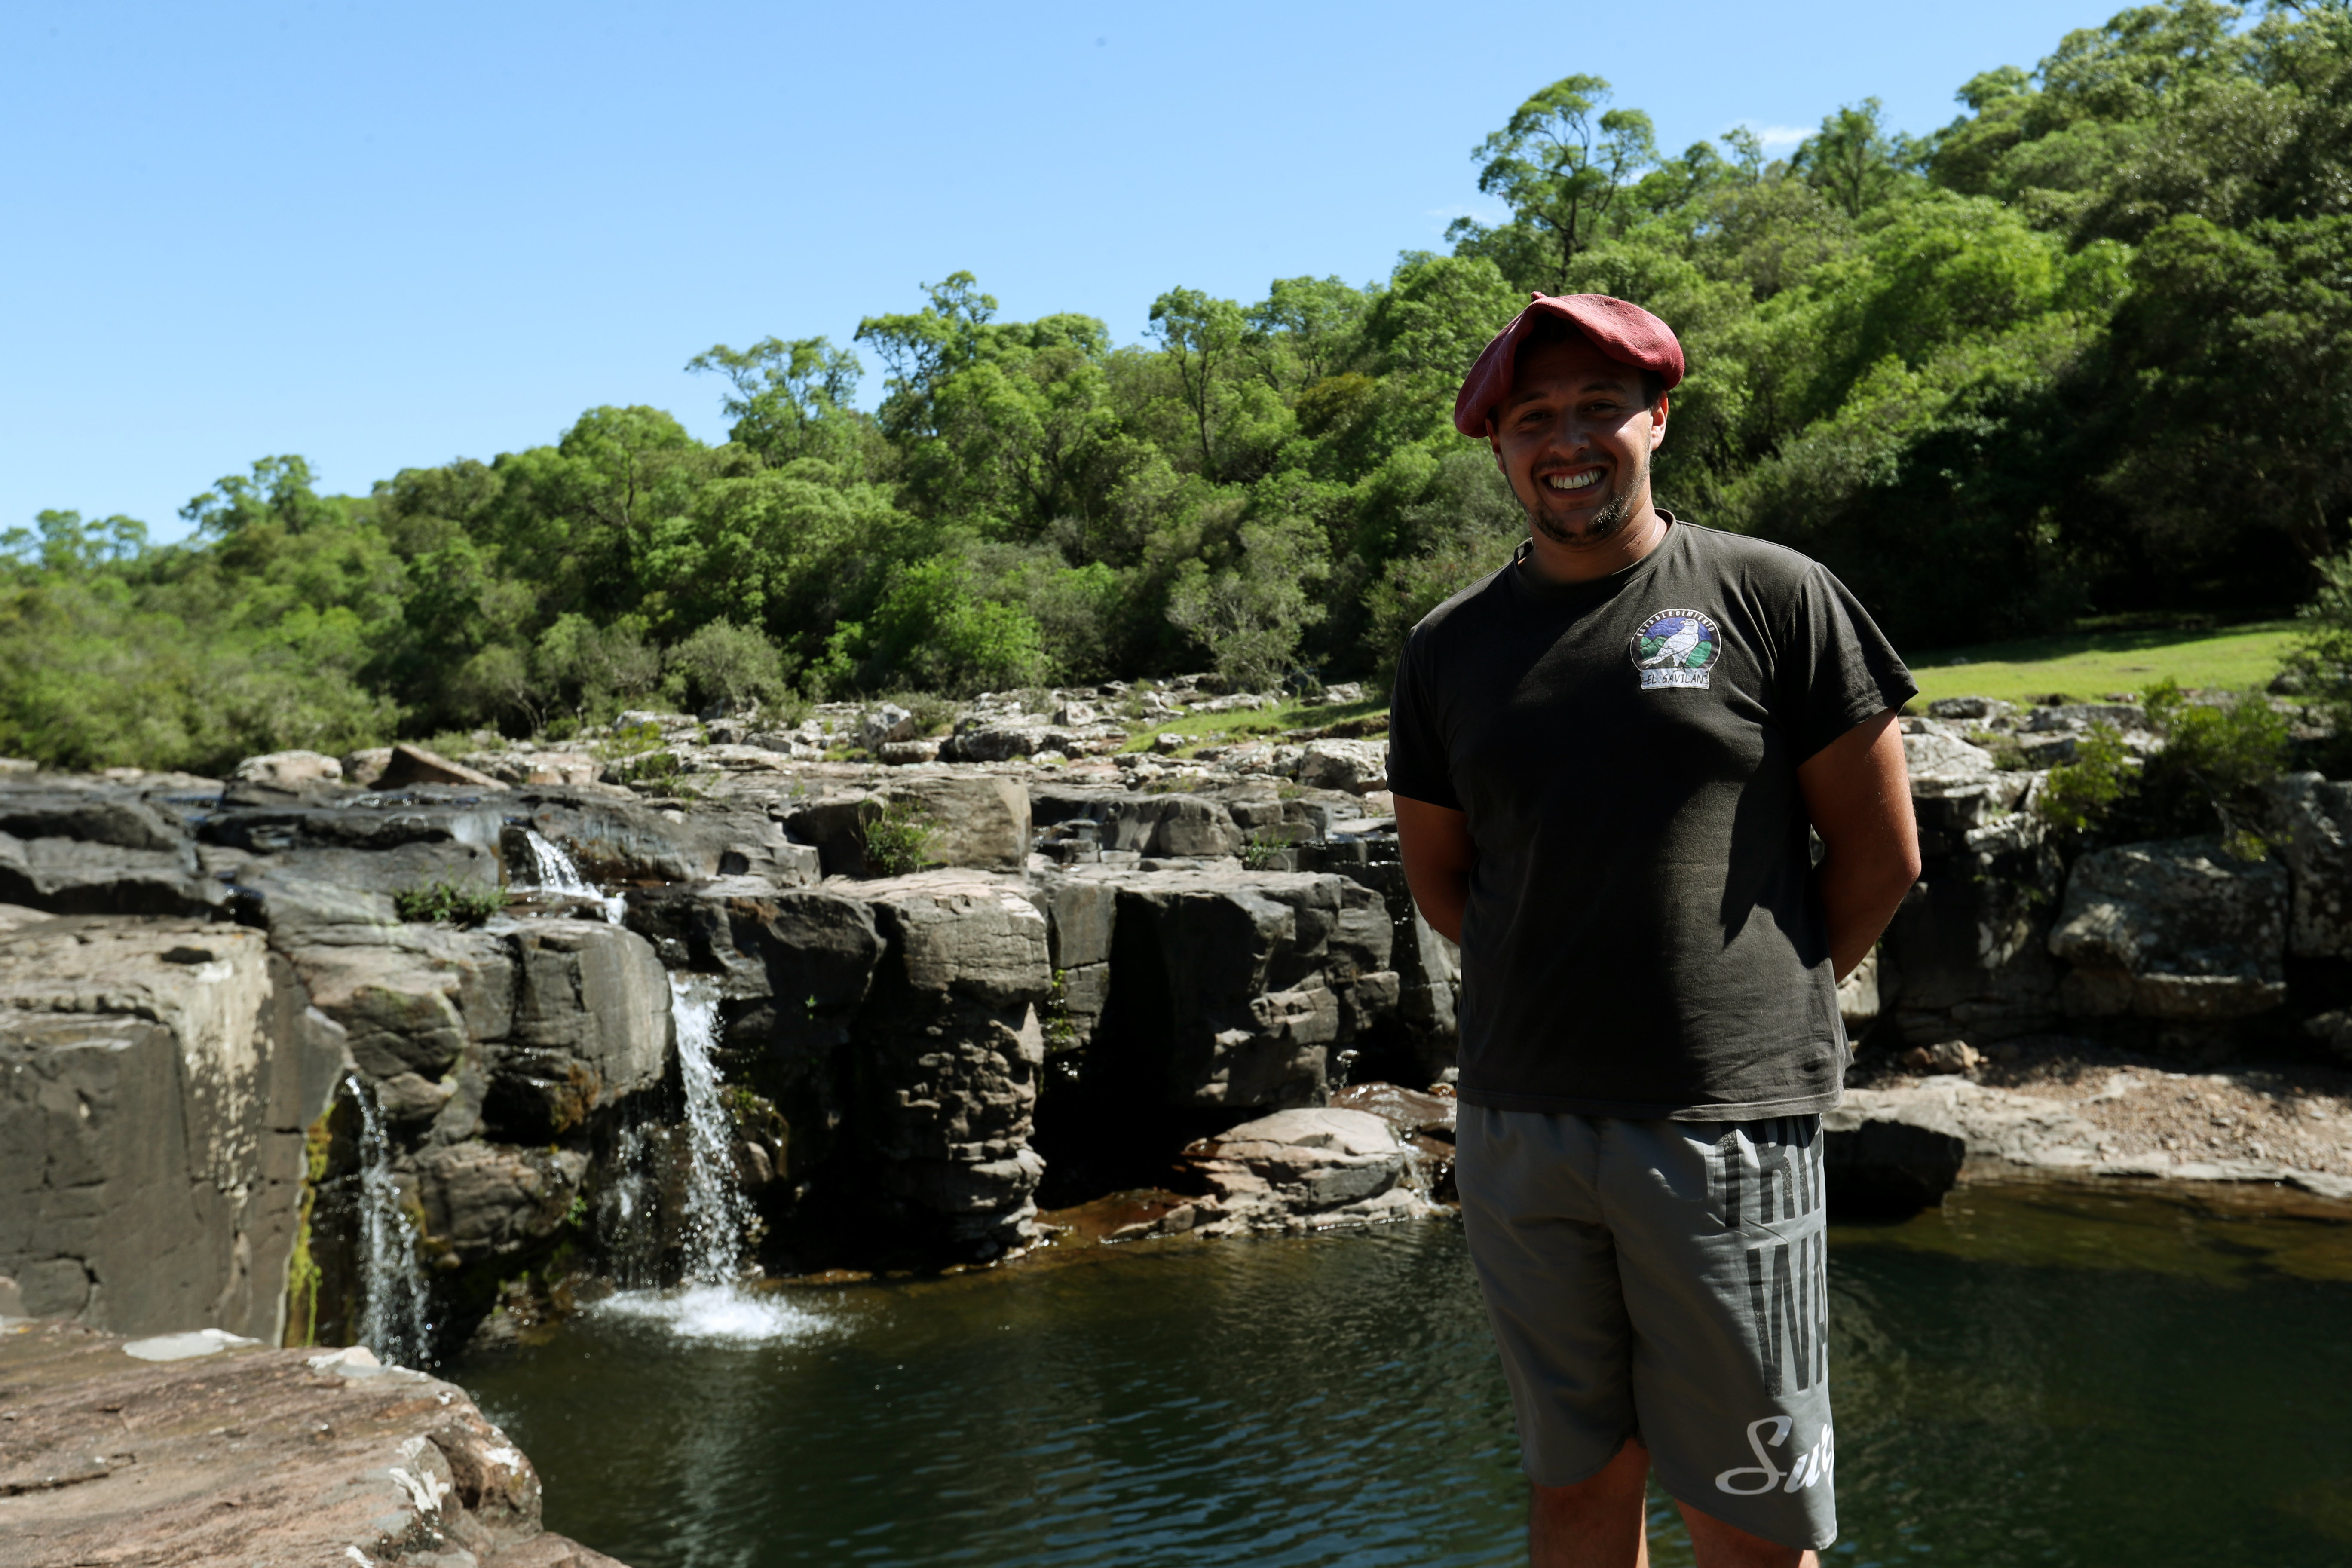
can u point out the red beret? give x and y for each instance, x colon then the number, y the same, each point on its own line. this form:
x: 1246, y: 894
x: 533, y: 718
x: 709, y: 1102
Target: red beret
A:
x: 1624, y: 332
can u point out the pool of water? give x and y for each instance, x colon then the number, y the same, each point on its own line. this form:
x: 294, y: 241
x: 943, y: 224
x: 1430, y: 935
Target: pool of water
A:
x: 2030, y: 1376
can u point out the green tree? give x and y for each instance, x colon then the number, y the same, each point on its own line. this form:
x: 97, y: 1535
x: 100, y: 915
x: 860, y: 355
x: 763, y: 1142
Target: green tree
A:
x: 1561, y: 163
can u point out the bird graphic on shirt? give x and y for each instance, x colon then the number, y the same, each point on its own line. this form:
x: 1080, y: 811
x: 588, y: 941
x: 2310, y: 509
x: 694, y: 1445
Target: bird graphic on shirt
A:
x: 1677, y: 646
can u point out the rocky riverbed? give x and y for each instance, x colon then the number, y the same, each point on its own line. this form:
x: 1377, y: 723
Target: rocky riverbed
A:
x: 420, y: 1049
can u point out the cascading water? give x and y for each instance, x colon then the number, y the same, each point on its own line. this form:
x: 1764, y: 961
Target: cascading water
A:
x: 393, y: 1322
x: 715, y: 1217
x: 554, y: 871
x: 711, y: 1303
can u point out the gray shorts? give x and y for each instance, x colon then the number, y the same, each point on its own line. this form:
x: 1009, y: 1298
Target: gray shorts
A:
x: 1666, y: 1280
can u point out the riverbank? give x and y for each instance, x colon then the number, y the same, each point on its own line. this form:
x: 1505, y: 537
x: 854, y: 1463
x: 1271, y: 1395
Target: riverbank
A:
x: 195, y: 1449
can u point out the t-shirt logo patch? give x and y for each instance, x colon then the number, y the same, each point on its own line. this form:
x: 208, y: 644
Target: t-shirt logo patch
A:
x: 1676, y: 648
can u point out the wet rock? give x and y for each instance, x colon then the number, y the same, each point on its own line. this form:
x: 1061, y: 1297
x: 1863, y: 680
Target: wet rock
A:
x: 158, y: 1076
x: 484, y: 1201
x: 2173, y: 930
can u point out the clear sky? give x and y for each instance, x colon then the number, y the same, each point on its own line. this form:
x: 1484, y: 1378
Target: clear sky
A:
x: 385, y: 235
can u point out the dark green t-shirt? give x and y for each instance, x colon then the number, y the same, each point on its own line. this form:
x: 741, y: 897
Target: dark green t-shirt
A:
x: 1642, y: 939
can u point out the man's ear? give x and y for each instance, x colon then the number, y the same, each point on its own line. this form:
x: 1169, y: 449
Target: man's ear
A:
x: 1657, y: 421
x: 1495, y: 445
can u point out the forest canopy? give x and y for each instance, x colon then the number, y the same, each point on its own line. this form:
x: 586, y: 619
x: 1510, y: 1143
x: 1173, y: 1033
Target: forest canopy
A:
x: 2086, y: 349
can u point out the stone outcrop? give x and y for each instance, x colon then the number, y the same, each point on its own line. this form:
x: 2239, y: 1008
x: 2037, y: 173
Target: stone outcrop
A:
x: 189, y: 1450
x: 1232, y: 989
x: 2312, y: 820
x: 2173, y: 930
x: 947, y: 1052
x: 159, y: 1075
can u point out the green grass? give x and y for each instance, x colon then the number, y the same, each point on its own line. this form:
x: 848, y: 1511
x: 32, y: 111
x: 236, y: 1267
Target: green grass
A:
x: 1245, y: 723
x: 2086, y: 666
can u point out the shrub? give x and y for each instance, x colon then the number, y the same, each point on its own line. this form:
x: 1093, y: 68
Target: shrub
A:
x: 725, y: 663
x: 2216, y: 758
x: 445, y: 903
x: 900, y: 839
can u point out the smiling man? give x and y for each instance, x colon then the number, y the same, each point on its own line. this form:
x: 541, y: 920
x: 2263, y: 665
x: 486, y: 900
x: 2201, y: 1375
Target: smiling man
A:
x: 1606, y: 757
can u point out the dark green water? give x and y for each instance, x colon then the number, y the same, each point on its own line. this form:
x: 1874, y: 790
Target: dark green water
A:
x: 2030, y: 1376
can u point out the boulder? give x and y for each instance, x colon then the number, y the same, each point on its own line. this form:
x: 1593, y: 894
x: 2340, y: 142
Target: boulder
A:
x: 93, y: 816
x: 907, y: 753
x: 620, y: 843
x: 365, y: 767
x: 326, y: 1459
x: 1306, y: 1169
x: 414, y: 765
x: 483, y: 1201
x: 159, y: 1075
x: 1966, y: 954
x: 884, y: 723
x: 1172, y: 826
x: 1888, y: 1155
x: 288, y: 770
x: 2173, y: 930
x: 994, y: 742
x: 1357, y: 767
x: 981, y: 821
x: 592, y: 1026
x: 1230, y: 989
x: 71, y: 876
x: 2311, y: 817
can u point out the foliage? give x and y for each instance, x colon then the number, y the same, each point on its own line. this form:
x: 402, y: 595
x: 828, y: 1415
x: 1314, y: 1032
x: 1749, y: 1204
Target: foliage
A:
x: 2086, y: 350
x: 2079, y: 795
x: 445, y: 903
x: 900, y: 838
x: 2208, y: 777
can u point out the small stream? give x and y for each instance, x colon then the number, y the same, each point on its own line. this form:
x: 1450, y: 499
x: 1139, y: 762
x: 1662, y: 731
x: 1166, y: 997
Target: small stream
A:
x: 2031, y: 1375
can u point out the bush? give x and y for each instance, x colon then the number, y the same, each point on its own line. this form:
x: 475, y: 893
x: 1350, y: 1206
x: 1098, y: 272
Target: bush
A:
x: 2217, y: 757
x: 727, y: 664
x: 900, y: 839
x: 445, y: 903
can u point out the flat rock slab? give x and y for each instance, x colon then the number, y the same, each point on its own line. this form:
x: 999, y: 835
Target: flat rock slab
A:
x: 263, y: 1457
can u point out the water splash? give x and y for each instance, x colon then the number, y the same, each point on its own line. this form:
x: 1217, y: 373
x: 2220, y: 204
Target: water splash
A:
x: 393, y: 1322
x: 715, y: 1216
x: 554, y: 871
x: 717, y: 1315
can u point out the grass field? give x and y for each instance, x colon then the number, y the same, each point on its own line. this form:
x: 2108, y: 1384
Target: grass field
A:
x: 2088, y: 665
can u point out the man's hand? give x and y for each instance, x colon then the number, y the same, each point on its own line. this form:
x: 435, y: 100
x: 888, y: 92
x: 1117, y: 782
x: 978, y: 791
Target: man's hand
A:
x: 1436, y: 846
x: 1859, y: 794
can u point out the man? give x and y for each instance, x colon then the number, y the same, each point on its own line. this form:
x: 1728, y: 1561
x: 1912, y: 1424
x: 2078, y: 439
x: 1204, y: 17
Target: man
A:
x: 1605, y: 758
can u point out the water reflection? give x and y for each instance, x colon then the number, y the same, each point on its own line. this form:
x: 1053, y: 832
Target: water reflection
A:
x: 2019, y: 1381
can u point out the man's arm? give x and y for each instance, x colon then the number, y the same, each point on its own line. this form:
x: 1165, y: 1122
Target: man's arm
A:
x: 1859, y: 794
x: 1435, y: 845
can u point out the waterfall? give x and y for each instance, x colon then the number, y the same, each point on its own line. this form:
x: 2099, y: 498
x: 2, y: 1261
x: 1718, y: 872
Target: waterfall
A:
x: 711, y: 1304
x: 392, y: 1323
x: 554, y: 871
x: 715, y: 1217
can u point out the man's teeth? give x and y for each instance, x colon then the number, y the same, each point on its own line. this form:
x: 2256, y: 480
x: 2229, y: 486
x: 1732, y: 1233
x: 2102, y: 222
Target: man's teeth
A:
x: 1574, y: 481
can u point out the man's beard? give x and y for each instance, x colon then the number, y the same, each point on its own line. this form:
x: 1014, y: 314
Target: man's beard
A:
x: 1614, y: 513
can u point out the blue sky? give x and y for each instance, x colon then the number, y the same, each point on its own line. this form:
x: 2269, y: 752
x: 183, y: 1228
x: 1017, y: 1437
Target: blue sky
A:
x: 390, y: 236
